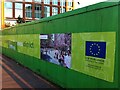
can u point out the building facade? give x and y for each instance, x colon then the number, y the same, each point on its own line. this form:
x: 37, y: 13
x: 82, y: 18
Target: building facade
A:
x: 34, y: 9
x: 1, y: 14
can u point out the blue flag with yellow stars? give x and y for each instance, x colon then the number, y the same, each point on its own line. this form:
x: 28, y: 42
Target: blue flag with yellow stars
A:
x: 96, y: 49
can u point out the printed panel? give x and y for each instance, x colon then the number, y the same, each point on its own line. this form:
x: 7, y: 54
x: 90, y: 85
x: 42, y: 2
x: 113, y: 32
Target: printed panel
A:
x: 29, y: 44
x: 94, y: 54
x: 56, y: 48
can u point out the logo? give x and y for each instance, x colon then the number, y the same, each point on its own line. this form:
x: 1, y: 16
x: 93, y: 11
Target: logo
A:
x: 28, y: 44
x: 96, y: 49
x: 12, y: 45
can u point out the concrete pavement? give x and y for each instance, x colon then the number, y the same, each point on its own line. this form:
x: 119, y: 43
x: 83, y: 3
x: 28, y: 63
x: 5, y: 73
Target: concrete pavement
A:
x: 16, y: 76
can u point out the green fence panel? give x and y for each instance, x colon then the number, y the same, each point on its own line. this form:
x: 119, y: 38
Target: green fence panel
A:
x: 20, y: 29
x: 0, y: 50
x: 28, y: 61
x: 38, y: 27
x: 20, y: 58
x: 108, y: 17
x: 35, y: 65
x: 4, y: 32
x: 12, y: 31
x: 102, y: 17
x: 52, y: 72
x: 14, y: 55
x: 42, y: 68
x: 29, y: 29
x: 4, y: 51
x: 118, y: 44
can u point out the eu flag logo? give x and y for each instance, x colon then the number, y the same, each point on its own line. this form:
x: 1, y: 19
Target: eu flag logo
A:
x: 96, y: 49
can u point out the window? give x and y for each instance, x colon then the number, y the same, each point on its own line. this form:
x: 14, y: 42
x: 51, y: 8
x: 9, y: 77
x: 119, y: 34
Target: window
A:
x: 70, y: 3
x: 8, y: 9
x: 46, y: 1
x: 18, y: 10
x: 37, y: 11
x: 55, y: 2
x: 28, y: 10
x: 28, y: 0
x: 64, y: 10
x: 54, y: 10
x: 46, y: 11
x: 19, y: 0
x: 62, y: 3
x: 38, y: 1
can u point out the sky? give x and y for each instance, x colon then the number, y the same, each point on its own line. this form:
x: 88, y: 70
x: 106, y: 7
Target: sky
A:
x: 84, y: 3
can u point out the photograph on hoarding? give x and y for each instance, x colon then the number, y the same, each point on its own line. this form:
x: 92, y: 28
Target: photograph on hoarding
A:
x: 56, y: 48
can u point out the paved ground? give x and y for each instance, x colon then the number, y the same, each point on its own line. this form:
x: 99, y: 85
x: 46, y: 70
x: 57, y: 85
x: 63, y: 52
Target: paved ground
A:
x: 16, y: 76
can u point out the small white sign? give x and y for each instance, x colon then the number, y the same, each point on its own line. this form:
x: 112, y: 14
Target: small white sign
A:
x: 43, y: 37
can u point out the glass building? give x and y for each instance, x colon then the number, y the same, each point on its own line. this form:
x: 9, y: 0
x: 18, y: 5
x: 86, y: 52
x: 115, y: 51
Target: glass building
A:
x: 35, y: 9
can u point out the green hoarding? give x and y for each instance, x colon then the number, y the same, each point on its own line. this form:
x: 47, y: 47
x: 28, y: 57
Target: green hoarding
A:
x: 97, y: 24
x: 92, y: 53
